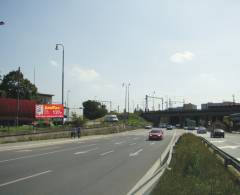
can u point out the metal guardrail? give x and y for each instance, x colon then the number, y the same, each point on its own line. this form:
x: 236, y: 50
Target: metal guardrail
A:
x: 228, y: 160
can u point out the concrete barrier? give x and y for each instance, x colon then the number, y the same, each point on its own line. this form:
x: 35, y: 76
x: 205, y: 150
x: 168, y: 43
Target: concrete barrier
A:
x: 62, y: 134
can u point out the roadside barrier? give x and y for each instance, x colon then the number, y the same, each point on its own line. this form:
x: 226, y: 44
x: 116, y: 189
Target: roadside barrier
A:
x: 228, y: 160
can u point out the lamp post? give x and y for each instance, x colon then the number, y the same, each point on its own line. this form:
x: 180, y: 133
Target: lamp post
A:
x: 68, y: 91
x: 128, y: 96
x: 57, y: 48
x: 125, y: 103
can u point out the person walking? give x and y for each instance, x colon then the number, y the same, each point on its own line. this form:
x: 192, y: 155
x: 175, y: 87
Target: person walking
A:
x: 78, y: 131
x: 73, y: 132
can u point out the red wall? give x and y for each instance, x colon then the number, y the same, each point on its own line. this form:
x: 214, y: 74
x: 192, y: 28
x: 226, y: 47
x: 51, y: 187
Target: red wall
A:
x: 8, y: 109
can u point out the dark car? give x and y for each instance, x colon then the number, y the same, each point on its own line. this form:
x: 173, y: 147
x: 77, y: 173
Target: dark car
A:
x: 148, y: 127
x: 155, y: 134
x: 217, y: 133
x: 201, y: 130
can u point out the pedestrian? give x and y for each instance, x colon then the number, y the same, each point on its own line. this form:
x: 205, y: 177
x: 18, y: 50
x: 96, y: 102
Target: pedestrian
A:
x: 73, y: 132
x: 78, y: 131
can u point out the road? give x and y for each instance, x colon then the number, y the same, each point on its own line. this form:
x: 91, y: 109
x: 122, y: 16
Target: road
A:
x: 230, y: 144
x: 107, y: 165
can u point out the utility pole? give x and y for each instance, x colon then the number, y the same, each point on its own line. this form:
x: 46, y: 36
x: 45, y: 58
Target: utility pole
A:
x: 153, y: 97
x: 153, y: 101
x: 128, y: 96
x: 34, y: 75
x: 18, y: 96
x: 146, y: 105
x: 233, y: 96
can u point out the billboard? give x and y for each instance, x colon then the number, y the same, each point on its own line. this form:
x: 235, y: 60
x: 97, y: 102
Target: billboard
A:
x: 49, y: 111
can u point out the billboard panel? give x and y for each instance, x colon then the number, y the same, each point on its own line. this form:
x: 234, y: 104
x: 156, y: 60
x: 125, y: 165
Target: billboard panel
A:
x: 49, y: 111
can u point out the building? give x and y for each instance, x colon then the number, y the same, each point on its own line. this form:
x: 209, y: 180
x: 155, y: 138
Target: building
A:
x: 211, y: 105
x: 189, y: 107
x: 44, y: 98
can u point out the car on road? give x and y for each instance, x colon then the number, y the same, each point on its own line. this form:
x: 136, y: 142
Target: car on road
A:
x: 111, y: 118
x: 169, y: 127
x: 178, y: 126
x: 162, y: 125
x: 217, y: 133
x: 148, y: 127
x: 201, y: 130
x: 155, y: 134
x: 191, y: 128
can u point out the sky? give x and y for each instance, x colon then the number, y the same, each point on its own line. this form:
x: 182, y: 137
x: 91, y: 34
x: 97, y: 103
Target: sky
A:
x: 174, y: 49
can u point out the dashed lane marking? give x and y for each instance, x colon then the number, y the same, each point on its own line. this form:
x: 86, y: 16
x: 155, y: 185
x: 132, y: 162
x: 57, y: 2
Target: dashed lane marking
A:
x: 105, y: 153
x: 24, y: 178
x: 86, y: 151
x: 135, y: 153
x: 132, y: 144
x: 230, y: 147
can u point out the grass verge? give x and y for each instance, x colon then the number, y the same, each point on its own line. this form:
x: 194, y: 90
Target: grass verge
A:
x: 194, y: 170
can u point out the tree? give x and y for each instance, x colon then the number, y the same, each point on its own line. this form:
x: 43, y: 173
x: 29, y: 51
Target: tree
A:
x: 93, y: 109
x: 14, y: 83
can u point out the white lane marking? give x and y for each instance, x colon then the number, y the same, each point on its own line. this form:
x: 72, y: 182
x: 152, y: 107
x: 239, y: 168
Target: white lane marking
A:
x: 152, y: 143
x: 118, y: 143
x: 136, y: 153
x: 86, y: 151
x: 217, y: 141
x: 105, y: 153
x: 24, y: 178
x: 24, y: 151
x: 132, y: 144
x: 44, y: 154
x: 136, y: 138
x: 230, y: 146
x: 35, y: 145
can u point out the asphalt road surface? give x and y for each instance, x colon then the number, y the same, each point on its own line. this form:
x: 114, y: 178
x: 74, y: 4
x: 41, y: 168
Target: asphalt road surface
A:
x: 109, y: 165
x: 230, y: 144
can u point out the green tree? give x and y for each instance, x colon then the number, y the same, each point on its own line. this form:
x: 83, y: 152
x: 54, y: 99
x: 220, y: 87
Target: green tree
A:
x: 93, y: 109
x: 14, y: 81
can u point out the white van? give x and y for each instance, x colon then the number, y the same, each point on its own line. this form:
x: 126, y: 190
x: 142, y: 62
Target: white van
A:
x: 111, y: 118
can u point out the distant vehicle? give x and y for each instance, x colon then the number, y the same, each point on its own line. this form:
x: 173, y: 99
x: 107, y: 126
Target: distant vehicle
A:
x: 156, y: 134
x: 217, y: 133
x: 162, y: 125
x: 169, y: 127
x: 111, y: 118
x: 185, y: 128
x: 148, y: 127
x: 178, y: 126
x: 201, y: 130
x: 191, y: 128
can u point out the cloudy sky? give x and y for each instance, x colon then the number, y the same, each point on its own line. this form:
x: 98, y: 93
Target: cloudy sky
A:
x: 180, y: 49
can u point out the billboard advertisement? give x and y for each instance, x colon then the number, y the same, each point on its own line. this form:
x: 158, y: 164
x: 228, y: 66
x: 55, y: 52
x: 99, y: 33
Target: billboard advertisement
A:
x: 49, y: 111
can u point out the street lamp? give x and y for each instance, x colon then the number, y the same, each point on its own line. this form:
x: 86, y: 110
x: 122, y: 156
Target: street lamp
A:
x: 68, y: 91
x: 128, y: 96
x: 57, y: 48
x: 125, y: 103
